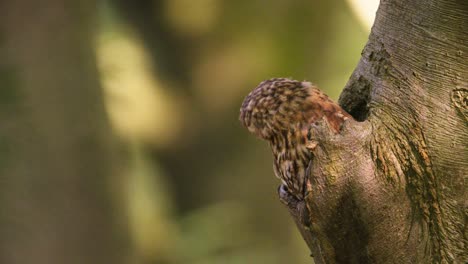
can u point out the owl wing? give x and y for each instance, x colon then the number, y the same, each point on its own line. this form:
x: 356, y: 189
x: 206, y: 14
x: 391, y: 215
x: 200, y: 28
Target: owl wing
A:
x: 320, y: 106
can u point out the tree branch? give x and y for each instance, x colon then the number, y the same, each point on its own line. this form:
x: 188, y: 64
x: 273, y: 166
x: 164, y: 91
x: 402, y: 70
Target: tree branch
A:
x: 390, y: 188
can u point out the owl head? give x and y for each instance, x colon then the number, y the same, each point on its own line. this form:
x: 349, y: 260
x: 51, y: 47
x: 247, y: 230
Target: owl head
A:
x: 276, y: 105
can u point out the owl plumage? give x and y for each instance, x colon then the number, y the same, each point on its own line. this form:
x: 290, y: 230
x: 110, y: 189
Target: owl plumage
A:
x: 280, y: 111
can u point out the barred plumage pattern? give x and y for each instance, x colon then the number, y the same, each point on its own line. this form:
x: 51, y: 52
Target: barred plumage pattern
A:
x: 280, y: 111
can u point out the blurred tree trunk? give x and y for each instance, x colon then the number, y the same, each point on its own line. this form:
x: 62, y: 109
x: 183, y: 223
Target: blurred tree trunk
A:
x: 391, y: 187
x: 54, y: 156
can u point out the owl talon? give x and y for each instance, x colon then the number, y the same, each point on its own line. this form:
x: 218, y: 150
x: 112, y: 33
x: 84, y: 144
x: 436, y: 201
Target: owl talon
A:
x: 296, y: 206
x: 284, y: 195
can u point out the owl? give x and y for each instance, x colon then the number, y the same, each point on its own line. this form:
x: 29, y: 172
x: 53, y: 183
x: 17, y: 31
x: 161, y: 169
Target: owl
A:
x: 281, y: 111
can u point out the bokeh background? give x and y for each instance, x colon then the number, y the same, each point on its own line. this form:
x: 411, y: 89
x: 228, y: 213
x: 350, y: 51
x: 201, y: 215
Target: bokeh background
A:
x: 189, y: 184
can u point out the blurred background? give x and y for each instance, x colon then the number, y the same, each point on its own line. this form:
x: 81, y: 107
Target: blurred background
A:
x: 119, y: 132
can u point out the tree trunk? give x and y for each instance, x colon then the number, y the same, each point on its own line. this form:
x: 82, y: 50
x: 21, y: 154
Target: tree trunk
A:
x: 54, y: 158
x: 391, y: 186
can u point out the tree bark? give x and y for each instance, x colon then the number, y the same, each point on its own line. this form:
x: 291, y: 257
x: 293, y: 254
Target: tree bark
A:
x: 391, y: 186
x: 54, y: 155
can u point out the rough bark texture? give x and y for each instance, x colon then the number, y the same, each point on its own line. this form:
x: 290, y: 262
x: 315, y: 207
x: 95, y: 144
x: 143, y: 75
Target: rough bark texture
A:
x: 391, y: 187
x: 54, y: 159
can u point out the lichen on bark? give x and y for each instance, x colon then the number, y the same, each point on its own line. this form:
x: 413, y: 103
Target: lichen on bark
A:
x: 400, y: 154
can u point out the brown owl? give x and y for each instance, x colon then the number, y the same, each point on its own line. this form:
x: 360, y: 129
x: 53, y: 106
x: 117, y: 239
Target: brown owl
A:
x: 281, y: 111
